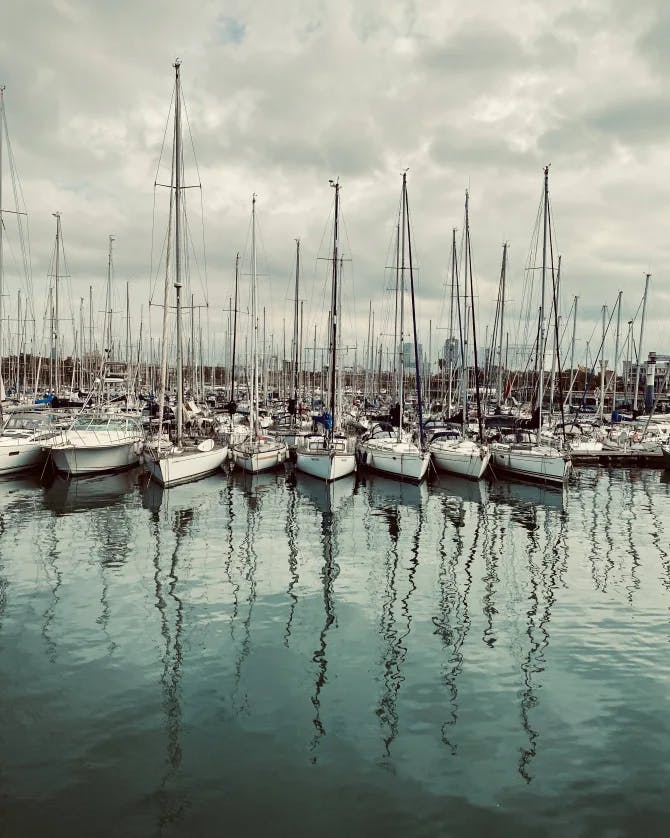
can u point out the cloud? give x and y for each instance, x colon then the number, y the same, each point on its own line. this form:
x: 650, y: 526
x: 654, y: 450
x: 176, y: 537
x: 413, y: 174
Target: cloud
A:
x: 282, y: 98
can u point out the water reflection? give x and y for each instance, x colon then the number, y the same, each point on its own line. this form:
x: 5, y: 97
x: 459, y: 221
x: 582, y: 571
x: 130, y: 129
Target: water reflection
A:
x: 381, y: 491
x: 546, y: 566
x: 658, y: 530
x: 330, y: 499
x: 452, y: 621
x: 401, y: 507
x: 444, y: 652
x: 254, y: 488
x: 64, y: 494
x: 54, y: 578
x: 470, y: 491
x: 172, y: 797
x: 528, y: 495
x: 292, y: 531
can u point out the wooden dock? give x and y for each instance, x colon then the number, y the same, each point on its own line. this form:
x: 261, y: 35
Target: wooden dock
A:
x: 640, y: 459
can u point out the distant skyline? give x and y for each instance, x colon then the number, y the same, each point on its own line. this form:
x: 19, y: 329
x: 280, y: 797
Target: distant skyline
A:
x: 283, y: 97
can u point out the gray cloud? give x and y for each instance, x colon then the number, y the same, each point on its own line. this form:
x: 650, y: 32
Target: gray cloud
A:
x: 281, y: 98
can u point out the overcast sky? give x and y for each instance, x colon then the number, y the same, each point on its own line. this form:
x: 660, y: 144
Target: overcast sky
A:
x: 281, y: 97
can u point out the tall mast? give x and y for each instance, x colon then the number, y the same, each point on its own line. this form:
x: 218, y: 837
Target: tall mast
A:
x: 177, y: 244
x: 128, y: 363
x: 573, y: 374
x: 616, y: 350
x: 602, y: 366
x: 540, y: 347
x: 503, y: 271
x: 296, y: 347
x: 417, y: 371
x: 639, y: 346
x: 451, y: 322
x: 474, y: 328
x: 232, y: 360
x: 333, y: 306
x: 55, y: 320
x: 254, y: 325
x: 108, y: 307
x: 2, y: 265
x: 557, y: 321
x: 401, y: 291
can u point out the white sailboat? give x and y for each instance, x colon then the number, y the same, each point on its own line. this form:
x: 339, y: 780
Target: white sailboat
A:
x: 452, y: 451
x: 171, y: 463
x: 395, y: 453
x: 524, y: 457
x: 260, y: 451
x: 331, y: 455
x: 98, y: 440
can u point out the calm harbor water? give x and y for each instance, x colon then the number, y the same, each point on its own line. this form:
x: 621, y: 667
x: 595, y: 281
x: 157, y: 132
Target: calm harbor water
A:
x: 269, y: 655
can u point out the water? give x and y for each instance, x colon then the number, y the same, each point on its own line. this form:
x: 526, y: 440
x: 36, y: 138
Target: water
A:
x: 266, y: 656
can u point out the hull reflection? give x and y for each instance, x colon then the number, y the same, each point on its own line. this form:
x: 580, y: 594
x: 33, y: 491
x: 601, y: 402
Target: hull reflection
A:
x: 471, y: 491
x: 76, y: 494
x: 381, y: 490
x: 326, y: 497
x: 514, y: 493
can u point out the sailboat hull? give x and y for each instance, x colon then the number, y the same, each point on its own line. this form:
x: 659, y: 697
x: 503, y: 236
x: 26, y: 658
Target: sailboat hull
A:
x: 539, y: 464
x: 401, y: 460
x: 175, y: 467
x: 326, y: 465
x: 254, y: 457
x: 463, y: 457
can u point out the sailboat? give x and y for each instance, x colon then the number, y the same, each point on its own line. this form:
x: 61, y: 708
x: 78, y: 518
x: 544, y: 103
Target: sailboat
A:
x: 171, y: 463
x: 393, y: 452
x: 260, y: 451
x: 524, y: 457
x: 453, y: 451
x: 330, y: 455
x: 98, y: 440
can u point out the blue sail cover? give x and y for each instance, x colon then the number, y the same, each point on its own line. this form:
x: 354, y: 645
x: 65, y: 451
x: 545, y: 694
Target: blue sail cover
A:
x: 326, y: 420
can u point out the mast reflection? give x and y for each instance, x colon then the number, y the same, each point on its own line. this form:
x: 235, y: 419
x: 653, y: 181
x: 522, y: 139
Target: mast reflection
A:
x: 328, y: 499
x: 292, y: 534
x: 171, y: 609
x: 393, y: 501
x: 452, y: 622
x: 546, y: 562
x: 254, y: 488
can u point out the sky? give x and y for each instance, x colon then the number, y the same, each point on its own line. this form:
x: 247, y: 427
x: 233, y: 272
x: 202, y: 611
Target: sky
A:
x: 283, y: 97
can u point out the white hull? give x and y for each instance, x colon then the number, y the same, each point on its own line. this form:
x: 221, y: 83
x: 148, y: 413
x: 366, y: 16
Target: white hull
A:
x: 258, y: 456
x: 402, y: 460
x: 326, y: 465
x: 537, y: 463
x: 72, y: 459
x: 462, y: 457
x: 21, y: 456
x: 177, y: 466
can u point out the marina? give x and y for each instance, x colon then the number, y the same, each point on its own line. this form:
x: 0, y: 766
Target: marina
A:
x: 324, y: 511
